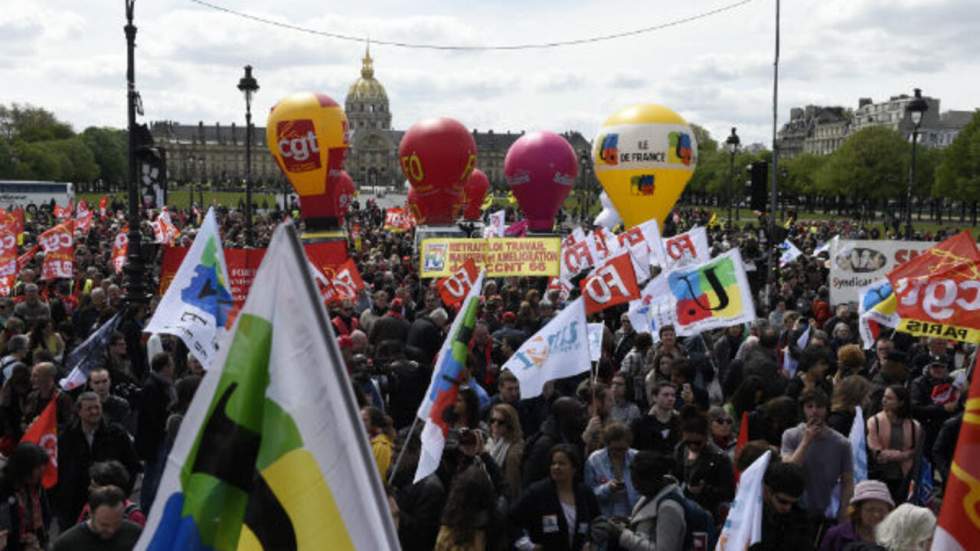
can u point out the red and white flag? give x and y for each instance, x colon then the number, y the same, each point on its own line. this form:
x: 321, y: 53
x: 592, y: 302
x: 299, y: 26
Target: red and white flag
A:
x: 164, y: 231
x: 103, y: 206
x: 120, y: 247
x: 59, y: 251
x: 611, y: 283
x: 43, y: 431
x: 454, y: 288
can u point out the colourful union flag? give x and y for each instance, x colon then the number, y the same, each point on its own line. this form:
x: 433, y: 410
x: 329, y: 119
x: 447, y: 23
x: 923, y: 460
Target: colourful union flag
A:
x: 272, y: 453
x: 712, y: 295
x: 959, y: 519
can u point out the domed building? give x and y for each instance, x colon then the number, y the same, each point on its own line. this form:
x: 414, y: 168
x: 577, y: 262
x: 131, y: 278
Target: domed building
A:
x: 216, y: 154
x: 373, y: 156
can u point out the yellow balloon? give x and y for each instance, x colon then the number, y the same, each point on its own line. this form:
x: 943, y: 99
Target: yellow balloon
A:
x: 644, y: 155
x: 307, y: 135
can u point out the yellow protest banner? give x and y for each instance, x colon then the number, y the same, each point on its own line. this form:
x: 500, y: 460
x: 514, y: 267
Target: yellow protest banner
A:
x: 501, y: 257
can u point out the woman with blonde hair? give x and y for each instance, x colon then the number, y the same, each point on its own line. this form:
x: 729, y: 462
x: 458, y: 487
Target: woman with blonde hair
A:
x: 506, y: 445
x: 849, y: 392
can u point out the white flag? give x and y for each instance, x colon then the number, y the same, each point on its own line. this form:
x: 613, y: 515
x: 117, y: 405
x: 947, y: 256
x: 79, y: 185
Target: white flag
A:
x: 743, y: 527
x: 654, y: 308
x: 557, y: 350
x: 790, y: 364
x: 595, y: 341
x: 497, y: 223
x: 272, y: 453
x: 198, y: 300
x: 826, y: 247
x: 859, y: 454
x: 787, y: 252
x: 686, y: 249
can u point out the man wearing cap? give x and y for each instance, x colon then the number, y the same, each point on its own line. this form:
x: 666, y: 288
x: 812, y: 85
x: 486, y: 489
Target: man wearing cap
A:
x: 936, y: 349
x: 870, y: 505
x: 509, y: 329
x: 934, y: 399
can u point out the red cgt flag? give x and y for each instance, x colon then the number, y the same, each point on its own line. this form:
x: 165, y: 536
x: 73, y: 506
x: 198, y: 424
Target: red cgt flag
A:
x: 44, y: 432
x: 938, y: 291
x: 959, y: 519
x: 612, y: 282
x: 454, y: 288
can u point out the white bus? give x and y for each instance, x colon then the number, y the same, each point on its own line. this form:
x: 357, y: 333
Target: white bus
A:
x: 20, y: 193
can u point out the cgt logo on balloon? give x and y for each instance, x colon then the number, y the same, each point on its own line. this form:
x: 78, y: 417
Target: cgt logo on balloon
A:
x: 298, y: 145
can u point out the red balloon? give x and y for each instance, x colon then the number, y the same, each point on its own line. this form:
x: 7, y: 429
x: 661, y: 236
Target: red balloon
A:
x: 345, y: 191
x: 474, y: 191
x: 412, y: 206
x: 437, y: 156
x: 541, y: 168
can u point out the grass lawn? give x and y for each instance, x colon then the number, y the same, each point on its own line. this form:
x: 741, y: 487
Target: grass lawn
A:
x: 181, y: 198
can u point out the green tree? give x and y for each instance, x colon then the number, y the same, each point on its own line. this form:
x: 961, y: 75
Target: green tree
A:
x: 109, y: 146
x: 801, y: 172
x: 32, y: 124
x: 704, y: 139
x: 958, y: 175
x: 872, y: 164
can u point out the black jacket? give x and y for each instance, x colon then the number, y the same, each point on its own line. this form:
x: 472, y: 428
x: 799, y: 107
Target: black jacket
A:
x: 791, y: 531
x: 389, y: 328
x: 109, y: 442
x: 13, y: 521
x: 536, y: 460
x: 423, y: 341
x: 650, y: 434
x: 151, y: 424
x: 714, y: 468
x: 540, y: 514
x: 420, y: 507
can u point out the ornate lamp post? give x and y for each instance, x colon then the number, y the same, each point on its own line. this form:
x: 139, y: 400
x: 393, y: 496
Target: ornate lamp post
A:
x: 135, y: 291
x: 732, y: 144
x: 249, y: 86
x: 916, y: 108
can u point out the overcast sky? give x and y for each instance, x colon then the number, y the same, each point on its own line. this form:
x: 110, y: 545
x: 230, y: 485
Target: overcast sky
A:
x: 69, y: 57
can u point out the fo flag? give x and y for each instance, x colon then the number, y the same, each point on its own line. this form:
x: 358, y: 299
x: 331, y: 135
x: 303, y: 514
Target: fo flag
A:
x: 611, y: 284
x: 958, y: 519
x: 454, y: 288
x: 938, y: 291
x: 44, y: 432
x: 712, y: 295
x: 342, y: 283
x: 559, y: 349
x: 59, y: 251
x: 686, y: 249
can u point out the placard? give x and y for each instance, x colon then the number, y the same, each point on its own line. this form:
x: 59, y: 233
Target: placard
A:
x: 500, y: 257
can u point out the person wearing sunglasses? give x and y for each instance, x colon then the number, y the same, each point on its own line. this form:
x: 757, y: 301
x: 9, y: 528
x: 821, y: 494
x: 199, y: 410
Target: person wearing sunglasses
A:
x: 723, y: 430
x: 506, y: 445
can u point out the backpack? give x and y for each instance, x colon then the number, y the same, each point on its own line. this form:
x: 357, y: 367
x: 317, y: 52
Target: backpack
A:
x: 700, y: 534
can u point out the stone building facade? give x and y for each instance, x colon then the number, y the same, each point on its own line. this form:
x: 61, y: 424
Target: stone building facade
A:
x: 217, y: 153
x: 822, y: 130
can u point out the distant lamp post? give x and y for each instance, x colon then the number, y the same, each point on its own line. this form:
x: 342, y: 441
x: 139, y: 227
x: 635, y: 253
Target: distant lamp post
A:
x: 249, y: 86
x: 732, y: 144
x: 585, y: 170
x: 916, y: 108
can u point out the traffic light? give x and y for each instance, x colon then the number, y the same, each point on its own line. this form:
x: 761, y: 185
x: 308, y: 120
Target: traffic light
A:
x: 759, y: 171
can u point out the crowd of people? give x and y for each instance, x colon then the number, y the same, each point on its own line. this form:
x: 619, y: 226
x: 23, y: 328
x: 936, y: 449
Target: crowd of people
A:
x: 641, y: 454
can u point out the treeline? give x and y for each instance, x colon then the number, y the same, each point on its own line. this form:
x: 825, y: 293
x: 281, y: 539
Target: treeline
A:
x: 872, y: 165
x: 35, y: 145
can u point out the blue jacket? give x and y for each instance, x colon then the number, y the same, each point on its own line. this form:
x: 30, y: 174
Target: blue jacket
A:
x: 599, y: 474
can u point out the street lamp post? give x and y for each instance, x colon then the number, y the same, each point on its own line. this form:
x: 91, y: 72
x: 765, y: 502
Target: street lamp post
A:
x: 249, y: 86
x: 916, y: 108
x: 732, y: 144
x: 585, y: 164
x: 135, y: 291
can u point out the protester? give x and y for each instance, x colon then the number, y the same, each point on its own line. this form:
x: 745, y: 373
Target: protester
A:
x: 27, y: 522
x: 907, y: 527
x: 607, y: 472
x: 894, y: 441
x: 506, y: 445
x: 106, y: 530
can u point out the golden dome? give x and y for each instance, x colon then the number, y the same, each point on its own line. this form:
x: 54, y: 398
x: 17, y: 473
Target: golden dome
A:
x: 367, y: 88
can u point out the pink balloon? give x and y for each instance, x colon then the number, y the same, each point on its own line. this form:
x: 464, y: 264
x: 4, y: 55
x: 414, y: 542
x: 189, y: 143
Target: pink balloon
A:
x: 541, y: 168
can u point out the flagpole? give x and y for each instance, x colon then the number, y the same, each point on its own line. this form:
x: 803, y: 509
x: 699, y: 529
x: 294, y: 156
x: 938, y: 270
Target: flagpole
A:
x: 401, y: 452
x: 336, y: 363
